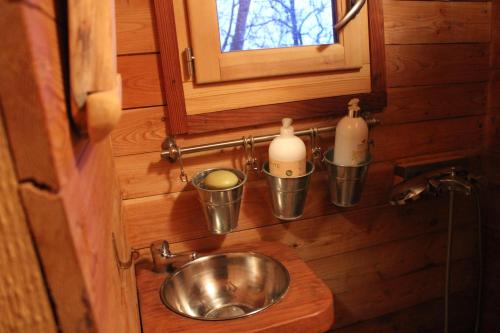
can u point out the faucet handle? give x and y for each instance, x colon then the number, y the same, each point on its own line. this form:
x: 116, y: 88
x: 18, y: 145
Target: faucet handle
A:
x: 163, y: 258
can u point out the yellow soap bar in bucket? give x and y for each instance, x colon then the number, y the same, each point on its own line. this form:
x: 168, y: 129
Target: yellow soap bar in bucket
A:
x: 220, y: 180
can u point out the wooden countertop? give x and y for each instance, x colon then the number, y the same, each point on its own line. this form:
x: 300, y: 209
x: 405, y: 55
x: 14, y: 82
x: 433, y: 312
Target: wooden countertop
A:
x: 306, y: 308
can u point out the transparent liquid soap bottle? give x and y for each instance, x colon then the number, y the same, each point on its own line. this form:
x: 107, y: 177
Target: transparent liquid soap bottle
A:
x: 287, y: 153
x: 351, y: 137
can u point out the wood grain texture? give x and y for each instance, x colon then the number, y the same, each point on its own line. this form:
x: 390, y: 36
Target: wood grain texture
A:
x: 32, y: 82
x: 139, y: 131
x: 180, y: 217
x: 423, y: 317
x: 143, y: 130
x: 306, y: 109
x: 170, y: 67
x: 381, y: 231
x: 435, y: 102
x: 414, y: 65
x: 377, y: 47
x: 134, y: 27
x: 146, y: 174
x: 408, y: 65
x: 68, y: 285
x: 394, y: 294
x: 141, y: 80
x: 92, y: 48
x: 72, y: 200
x: 436, y: 105
x: 307, y: 306
x: 76, y: 248
x: 426, y: 22
x: 353, y: 270
x: 21, y: 271
x: 343, y: 232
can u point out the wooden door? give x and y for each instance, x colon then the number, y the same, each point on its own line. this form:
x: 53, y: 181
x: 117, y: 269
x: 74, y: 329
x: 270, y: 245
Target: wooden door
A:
x: 68, y: 185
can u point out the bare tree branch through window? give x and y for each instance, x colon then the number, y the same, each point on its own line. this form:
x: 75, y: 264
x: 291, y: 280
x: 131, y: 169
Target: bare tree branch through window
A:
x: 260, y: 24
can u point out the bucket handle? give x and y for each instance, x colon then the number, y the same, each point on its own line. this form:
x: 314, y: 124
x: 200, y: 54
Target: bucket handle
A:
x: 252, y: 163
x: 316, y: 150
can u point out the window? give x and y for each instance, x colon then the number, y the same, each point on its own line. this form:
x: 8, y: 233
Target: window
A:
x: 265, y: 24
x: 286, y: 22
x: 251, y: 56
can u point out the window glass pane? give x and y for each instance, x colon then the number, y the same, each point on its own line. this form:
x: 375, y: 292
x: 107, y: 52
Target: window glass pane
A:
x: 263, y: 24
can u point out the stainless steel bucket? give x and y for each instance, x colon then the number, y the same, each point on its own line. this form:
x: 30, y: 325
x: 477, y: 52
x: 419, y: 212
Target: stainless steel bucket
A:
x: 221, y: 207
x: 288, y: 194
x: 346, y: 182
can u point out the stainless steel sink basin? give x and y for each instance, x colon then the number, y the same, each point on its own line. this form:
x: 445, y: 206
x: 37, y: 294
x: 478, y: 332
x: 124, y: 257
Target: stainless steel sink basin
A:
x: 225, y: 286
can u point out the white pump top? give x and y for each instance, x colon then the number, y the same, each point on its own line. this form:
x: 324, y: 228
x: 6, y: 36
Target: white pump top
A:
x: 354, y: 109
x: 287, y: 128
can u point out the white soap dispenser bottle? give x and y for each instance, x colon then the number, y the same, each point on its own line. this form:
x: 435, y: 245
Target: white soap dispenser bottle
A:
x: 351, y: 138
x: 287, y: 153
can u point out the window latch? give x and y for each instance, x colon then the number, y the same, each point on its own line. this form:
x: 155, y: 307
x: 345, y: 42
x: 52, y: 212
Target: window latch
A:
x: 356, y: 6
x: 189, y: 61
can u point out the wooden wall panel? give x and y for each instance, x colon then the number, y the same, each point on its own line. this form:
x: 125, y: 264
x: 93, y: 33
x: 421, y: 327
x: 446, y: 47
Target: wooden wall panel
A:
x: 438, y: 71
x: 378, y: 299
x: 179, y: 217
x: 407, y: 65
x: 422, y: 103
x: 140, y: 80
x: 411, y: 65
x: 423, y: 22
x: 344, y: 231
x: 135, y: 27
x: 423, y: 317
x: 355, y: 270
x: 139, y: 131
x: 146, y: 175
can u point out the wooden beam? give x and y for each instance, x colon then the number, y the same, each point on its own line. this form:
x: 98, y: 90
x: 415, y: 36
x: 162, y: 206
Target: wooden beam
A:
x: 32, y: 79
x: 25, y: 304
x: 173, y: 90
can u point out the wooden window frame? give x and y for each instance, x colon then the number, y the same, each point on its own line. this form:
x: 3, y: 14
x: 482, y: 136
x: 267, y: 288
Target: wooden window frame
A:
x: 214, y: 66
x: 179, y: 122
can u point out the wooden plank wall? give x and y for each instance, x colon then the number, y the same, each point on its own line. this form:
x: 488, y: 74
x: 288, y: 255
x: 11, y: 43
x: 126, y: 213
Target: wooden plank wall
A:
x: 385, y: 264
x: 492, y: 189
x: 68, y: 189
x: 21, y: 269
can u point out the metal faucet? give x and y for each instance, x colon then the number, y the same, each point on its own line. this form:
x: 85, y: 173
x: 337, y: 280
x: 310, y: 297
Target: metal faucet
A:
x: 452, y: 181
x: 433, y: 184
x: 166, y: 261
